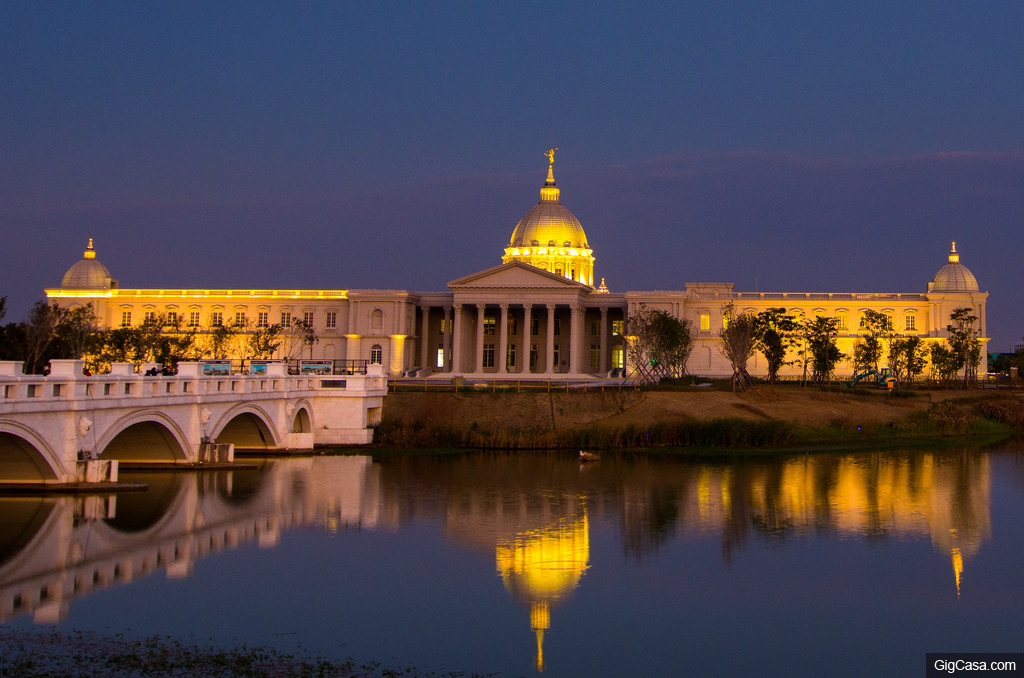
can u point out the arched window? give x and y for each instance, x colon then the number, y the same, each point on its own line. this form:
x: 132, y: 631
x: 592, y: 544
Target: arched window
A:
x: 376, y: 355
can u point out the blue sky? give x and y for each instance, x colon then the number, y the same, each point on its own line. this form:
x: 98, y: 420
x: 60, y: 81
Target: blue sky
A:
x: 782, y: 146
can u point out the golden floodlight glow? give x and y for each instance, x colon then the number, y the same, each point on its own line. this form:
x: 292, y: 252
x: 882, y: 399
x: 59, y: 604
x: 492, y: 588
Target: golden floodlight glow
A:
x: 542, y: 567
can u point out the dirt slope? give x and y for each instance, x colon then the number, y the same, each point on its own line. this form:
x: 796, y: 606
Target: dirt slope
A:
x: 543, y: 410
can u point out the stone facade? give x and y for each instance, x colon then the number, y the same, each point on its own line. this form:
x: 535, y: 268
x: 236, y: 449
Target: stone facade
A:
x: 529, y: 317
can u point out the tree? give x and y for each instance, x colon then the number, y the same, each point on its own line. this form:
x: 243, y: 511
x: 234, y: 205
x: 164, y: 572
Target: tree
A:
x: 869, y: 348
x: 76, y: 328
x: 964, y: 342
x: 945, y: 363
x: 773, y: 336
x: 908, y: 356
x: 40, y: 331
x: 264, y: 341
x: 660, y: 344
x: 821, y: 335
x: 737, y: 344
x: 219, y: 341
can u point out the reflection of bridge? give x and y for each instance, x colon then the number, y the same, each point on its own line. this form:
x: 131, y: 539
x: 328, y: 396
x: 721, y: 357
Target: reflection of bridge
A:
x: 67, y: 428
x: 57, y: 548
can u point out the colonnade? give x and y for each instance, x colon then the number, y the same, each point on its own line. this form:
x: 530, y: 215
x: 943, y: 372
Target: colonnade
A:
x: 485, y: 342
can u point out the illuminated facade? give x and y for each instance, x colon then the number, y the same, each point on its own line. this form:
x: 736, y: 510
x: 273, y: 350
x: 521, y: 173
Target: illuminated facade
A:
x: 535, y: 315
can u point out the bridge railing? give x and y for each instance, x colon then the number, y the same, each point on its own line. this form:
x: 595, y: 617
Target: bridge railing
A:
x: 66, y: 382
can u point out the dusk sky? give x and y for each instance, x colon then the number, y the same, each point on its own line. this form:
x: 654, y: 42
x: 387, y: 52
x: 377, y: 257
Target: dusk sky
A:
x: 781, y: 146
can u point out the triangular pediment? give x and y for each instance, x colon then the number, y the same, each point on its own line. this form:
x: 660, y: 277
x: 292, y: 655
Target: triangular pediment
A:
x: 516, y: 274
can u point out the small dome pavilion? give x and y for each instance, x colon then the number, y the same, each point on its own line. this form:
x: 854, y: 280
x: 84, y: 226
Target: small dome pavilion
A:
x: 954, y: 276
x: 88, y: 273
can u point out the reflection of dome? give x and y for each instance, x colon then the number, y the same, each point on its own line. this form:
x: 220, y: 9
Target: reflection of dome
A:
x: 954, y: 276
x: 542, y: 567
x: 550, y: 237
x: 88, y: 274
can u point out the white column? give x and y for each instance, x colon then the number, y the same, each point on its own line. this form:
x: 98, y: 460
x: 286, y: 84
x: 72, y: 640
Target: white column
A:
x: 447, y: 340
x: 575, y: 337
x: 502, y: 356
x: 457, y: 338
x: 527, y: 325
x: 603, y: 367
x: 479, y: 365
x: 424, y: 329
x: 549, y: 358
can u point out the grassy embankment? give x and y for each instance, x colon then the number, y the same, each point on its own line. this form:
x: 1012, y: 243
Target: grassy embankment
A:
x: 784, y: 417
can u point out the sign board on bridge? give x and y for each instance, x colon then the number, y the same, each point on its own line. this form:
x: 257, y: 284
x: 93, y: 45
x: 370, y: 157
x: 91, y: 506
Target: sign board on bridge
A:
x: 316, y: 366
x: 217, y: 368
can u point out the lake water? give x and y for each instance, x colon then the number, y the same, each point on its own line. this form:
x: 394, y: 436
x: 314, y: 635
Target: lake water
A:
x: 839, y: 565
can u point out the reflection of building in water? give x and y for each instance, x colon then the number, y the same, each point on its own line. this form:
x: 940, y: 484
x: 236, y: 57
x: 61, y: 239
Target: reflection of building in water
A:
x: 941, y: 497
x: 54, y: 549
x: 542, y: 544
x: 542, y: 567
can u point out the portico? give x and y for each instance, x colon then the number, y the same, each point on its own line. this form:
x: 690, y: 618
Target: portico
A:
x: 517, y: 320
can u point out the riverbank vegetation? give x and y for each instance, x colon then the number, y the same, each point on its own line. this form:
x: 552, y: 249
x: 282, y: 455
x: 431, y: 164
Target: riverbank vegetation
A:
x: 970, y: 417
x: 35, y: 654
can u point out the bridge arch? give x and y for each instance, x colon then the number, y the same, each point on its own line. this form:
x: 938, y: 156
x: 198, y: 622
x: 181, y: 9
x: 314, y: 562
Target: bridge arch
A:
x: 248, y: 426
x: 302, y: 418
x: 25, y: 457
x: 144, y: 436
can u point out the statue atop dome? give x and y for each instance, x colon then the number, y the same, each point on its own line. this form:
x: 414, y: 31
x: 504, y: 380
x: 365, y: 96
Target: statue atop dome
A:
x: 551, y: 155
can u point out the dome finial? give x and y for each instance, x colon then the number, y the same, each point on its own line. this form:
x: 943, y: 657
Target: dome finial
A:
x: 953, y: 256
x: 551, y: 164
x: 89, y: 253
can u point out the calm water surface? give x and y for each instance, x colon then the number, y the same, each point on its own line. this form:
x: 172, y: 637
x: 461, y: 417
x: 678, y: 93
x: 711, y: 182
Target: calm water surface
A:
x: 840, y: 565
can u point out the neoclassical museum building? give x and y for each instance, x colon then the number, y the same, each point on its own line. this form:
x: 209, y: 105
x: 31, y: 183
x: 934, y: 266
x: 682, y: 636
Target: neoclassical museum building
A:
x: 537, y: 314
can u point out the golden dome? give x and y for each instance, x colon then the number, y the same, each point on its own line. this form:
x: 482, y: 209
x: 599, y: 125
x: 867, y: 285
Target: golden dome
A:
x: 550, y: 237
x: 954, y: 276
x: 88, y: 273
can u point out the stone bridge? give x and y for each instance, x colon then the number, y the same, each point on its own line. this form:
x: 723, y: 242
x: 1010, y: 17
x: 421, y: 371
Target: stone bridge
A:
x: 68, y: 428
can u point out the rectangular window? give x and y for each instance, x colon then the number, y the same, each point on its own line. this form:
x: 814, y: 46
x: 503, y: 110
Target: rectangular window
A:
x: 841, y: 321
x: 262, y: 319
x: 286, y: 318
x: 442, y: 326
x: 307, y: 318
x: 595, y: 356
x: 510, y: 359
x: 618, y: 357
x: 533, y: 356
x: 488, y: 355
x: 193, y: 318
x: 489, y: 324
x: 172, y: 318
x: 332, y: 320
x: 511, y: 324
x: 558, y: 327
x: 705, y: 321
x: 595, y: 328
x: 126, y: 318
x: 617, y: 328
x: 440, y: 357
x: 216, y: 319
x: 911, y: 325
x: 240, y: 319
x: 534, y: 325
x: 149, y: 318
